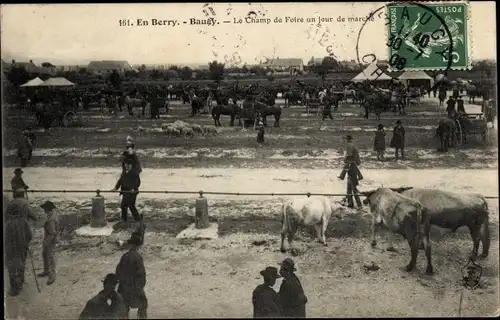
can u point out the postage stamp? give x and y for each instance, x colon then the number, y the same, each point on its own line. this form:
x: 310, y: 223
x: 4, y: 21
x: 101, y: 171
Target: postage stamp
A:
x: 428, y: 36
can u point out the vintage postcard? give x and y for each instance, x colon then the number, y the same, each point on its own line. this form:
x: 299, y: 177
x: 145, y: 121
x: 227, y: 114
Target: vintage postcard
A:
x: 242, y: 160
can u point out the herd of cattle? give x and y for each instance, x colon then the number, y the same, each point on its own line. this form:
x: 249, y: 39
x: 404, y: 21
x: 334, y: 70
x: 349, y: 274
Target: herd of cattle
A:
x: 409, y: 212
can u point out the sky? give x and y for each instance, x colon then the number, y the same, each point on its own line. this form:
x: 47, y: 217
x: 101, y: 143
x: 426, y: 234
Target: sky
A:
x: 78, y: 33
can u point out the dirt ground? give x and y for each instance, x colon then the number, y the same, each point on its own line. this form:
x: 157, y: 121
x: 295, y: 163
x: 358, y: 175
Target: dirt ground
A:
x: 216, y: 278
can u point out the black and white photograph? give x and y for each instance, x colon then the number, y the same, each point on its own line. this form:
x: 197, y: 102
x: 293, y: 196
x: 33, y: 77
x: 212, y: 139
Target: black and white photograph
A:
x: 250, y: 160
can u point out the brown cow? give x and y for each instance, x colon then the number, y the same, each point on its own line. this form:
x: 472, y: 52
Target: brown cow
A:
x: 452, y: 210
x: 404, y: 216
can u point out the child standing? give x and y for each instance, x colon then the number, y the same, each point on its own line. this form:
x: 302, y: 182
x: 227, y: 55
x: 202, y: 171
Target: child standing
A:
x: 260, y: 135
x: 379, y: 143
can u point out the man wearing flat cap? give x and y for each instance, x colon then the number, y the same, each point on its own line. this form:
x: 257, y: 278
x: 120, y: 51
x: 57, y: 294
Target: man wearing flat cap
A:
x: 17, y: 181
x: 107, y: 304
x: 266, y: 302
x: 132, y: 276
x: 18, y: 236
x: 50, y: 239
x: 292, y: 297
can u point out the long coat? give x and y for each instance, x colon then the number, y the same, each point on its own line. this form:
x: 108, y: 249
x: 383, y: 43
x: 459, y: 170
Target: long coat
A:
x: 292, y: 298
x: 132, y: 276
x: 98, y: 308
x: 398, y: 137
x: 266, y: 302
x: 379, y: 143
x: 24, y: 147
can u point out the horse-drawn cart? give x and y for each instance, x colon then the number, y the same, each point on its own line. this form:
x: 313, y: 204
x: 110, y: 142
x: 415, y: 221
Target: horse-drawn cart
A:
x: 55, y: 113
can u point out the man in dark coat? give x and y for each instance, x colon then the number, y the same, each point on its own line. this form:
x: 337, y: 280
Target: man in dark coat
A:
x: 107, y: 304
x: 132, y: 276
x: 266, y: 302
x: 129, y: 154
x: 130, y: 183
x: 18, y: 235
x: 398, y: 140
x: 379, y: 142
x: 450, y: 107
x: 327, y: 107
x: 353, y: 178
x: 292, y: 298
x: 17, y: 181
x: 24, y: 148
x: 460, y: 105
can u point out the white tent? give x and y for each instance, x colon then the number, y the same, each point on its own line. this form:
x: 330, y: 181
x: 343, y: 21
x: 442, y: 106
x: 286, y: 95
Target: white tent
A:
x: 57, y: 82
x: 415, y: 75
x: 33, y: 83
x: 370, y: 74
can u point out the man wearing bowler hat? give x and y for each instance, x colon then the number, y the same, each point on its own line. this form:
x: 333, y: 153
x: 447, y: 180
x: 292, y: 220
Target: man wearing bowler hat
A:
x: 292, y: 297
x: 266, y: 302
x: 132, y: 276
x: 107, y: 304
x: 50, y: 239
x: 351, y: 156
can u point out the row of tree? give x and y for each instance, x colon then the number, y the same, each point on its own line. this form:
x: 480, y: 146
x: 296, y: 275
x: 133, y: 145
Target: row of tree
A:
x: 216, y: 71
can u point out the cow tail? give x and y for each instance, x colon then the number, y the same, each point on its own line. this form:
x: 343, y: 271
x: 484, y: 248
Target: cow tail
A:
x: 485, y: 229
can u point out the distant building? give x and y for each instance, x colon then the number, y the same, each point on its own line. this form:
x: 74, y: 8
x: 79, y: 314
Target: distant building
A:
x: 315, y: 61
x: 30, y: 67
x: 107, y: 66
x: 284, y: 65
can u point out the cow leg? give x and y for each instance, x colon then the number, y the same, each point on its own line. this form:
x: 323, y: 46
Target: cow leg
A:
x: 318, y: 232
x: 374, y: 230
x: 474, y: 233
x: 413, y: 242
x: 324, y: 226
x: 485, y: 238
x: 425, y: 238
x: 390, y: 242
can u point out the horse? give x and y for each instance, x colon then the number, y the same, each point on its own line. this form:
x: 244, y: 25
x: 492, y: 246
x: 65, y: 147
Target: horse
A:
x: 473, y: 92
x: 266, y: 111
x: 450, y: 131
x: 131, y: 103
x: 228, y: 110
x: 197, y: 105
x: 291, y: 97
x: 350, y: 93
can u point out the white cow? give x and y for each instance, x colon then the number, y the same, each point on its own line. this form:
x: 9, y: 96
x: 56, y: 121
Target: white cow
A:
x: 307, y: 211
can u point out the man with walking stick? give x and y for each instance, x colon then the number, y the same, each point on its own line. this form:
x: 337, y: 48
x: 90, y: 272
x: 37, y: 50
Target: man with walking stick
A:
x: 18, y: 236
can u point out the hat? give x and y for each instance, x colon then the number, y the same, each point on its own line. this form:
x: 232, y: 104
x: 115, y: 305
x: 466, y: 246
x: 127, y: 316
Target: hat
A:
x: 48, y: 205
x: 260, y: 123
x: 348, y: 137
x: 288, y: 264
x: 135, y: 239
x: 398, y: 122
x: 111, y: 279
x: 270, y: 272
x: 18, y: 170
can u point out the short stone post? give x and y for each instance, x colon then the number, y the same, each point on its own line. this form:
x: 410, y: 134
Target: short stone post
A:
x: 201, y: 212
x: 98, y: 211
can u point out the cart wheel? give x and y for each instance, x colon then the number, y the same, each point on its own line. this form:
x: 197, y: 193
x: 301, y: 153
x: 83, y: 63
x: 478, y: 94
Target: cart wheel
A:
x: 68, y: 117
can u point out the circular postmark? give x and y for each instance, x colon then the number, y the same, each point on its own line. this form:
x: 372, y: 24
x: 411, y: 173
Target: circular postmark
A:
x: 229, y: 47
x: 415, y: 32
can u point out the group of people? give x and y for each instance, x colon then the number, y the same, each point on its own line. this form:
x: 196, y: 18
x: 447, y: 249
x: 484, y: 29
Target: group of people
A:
x: 18, y: 235
x: 454, y: 106
x: 289, y: 302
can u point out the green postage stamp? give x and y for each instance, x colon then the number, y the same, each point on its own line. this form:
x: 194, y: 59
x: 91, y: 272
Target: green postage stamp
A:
x: 428, y: 36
